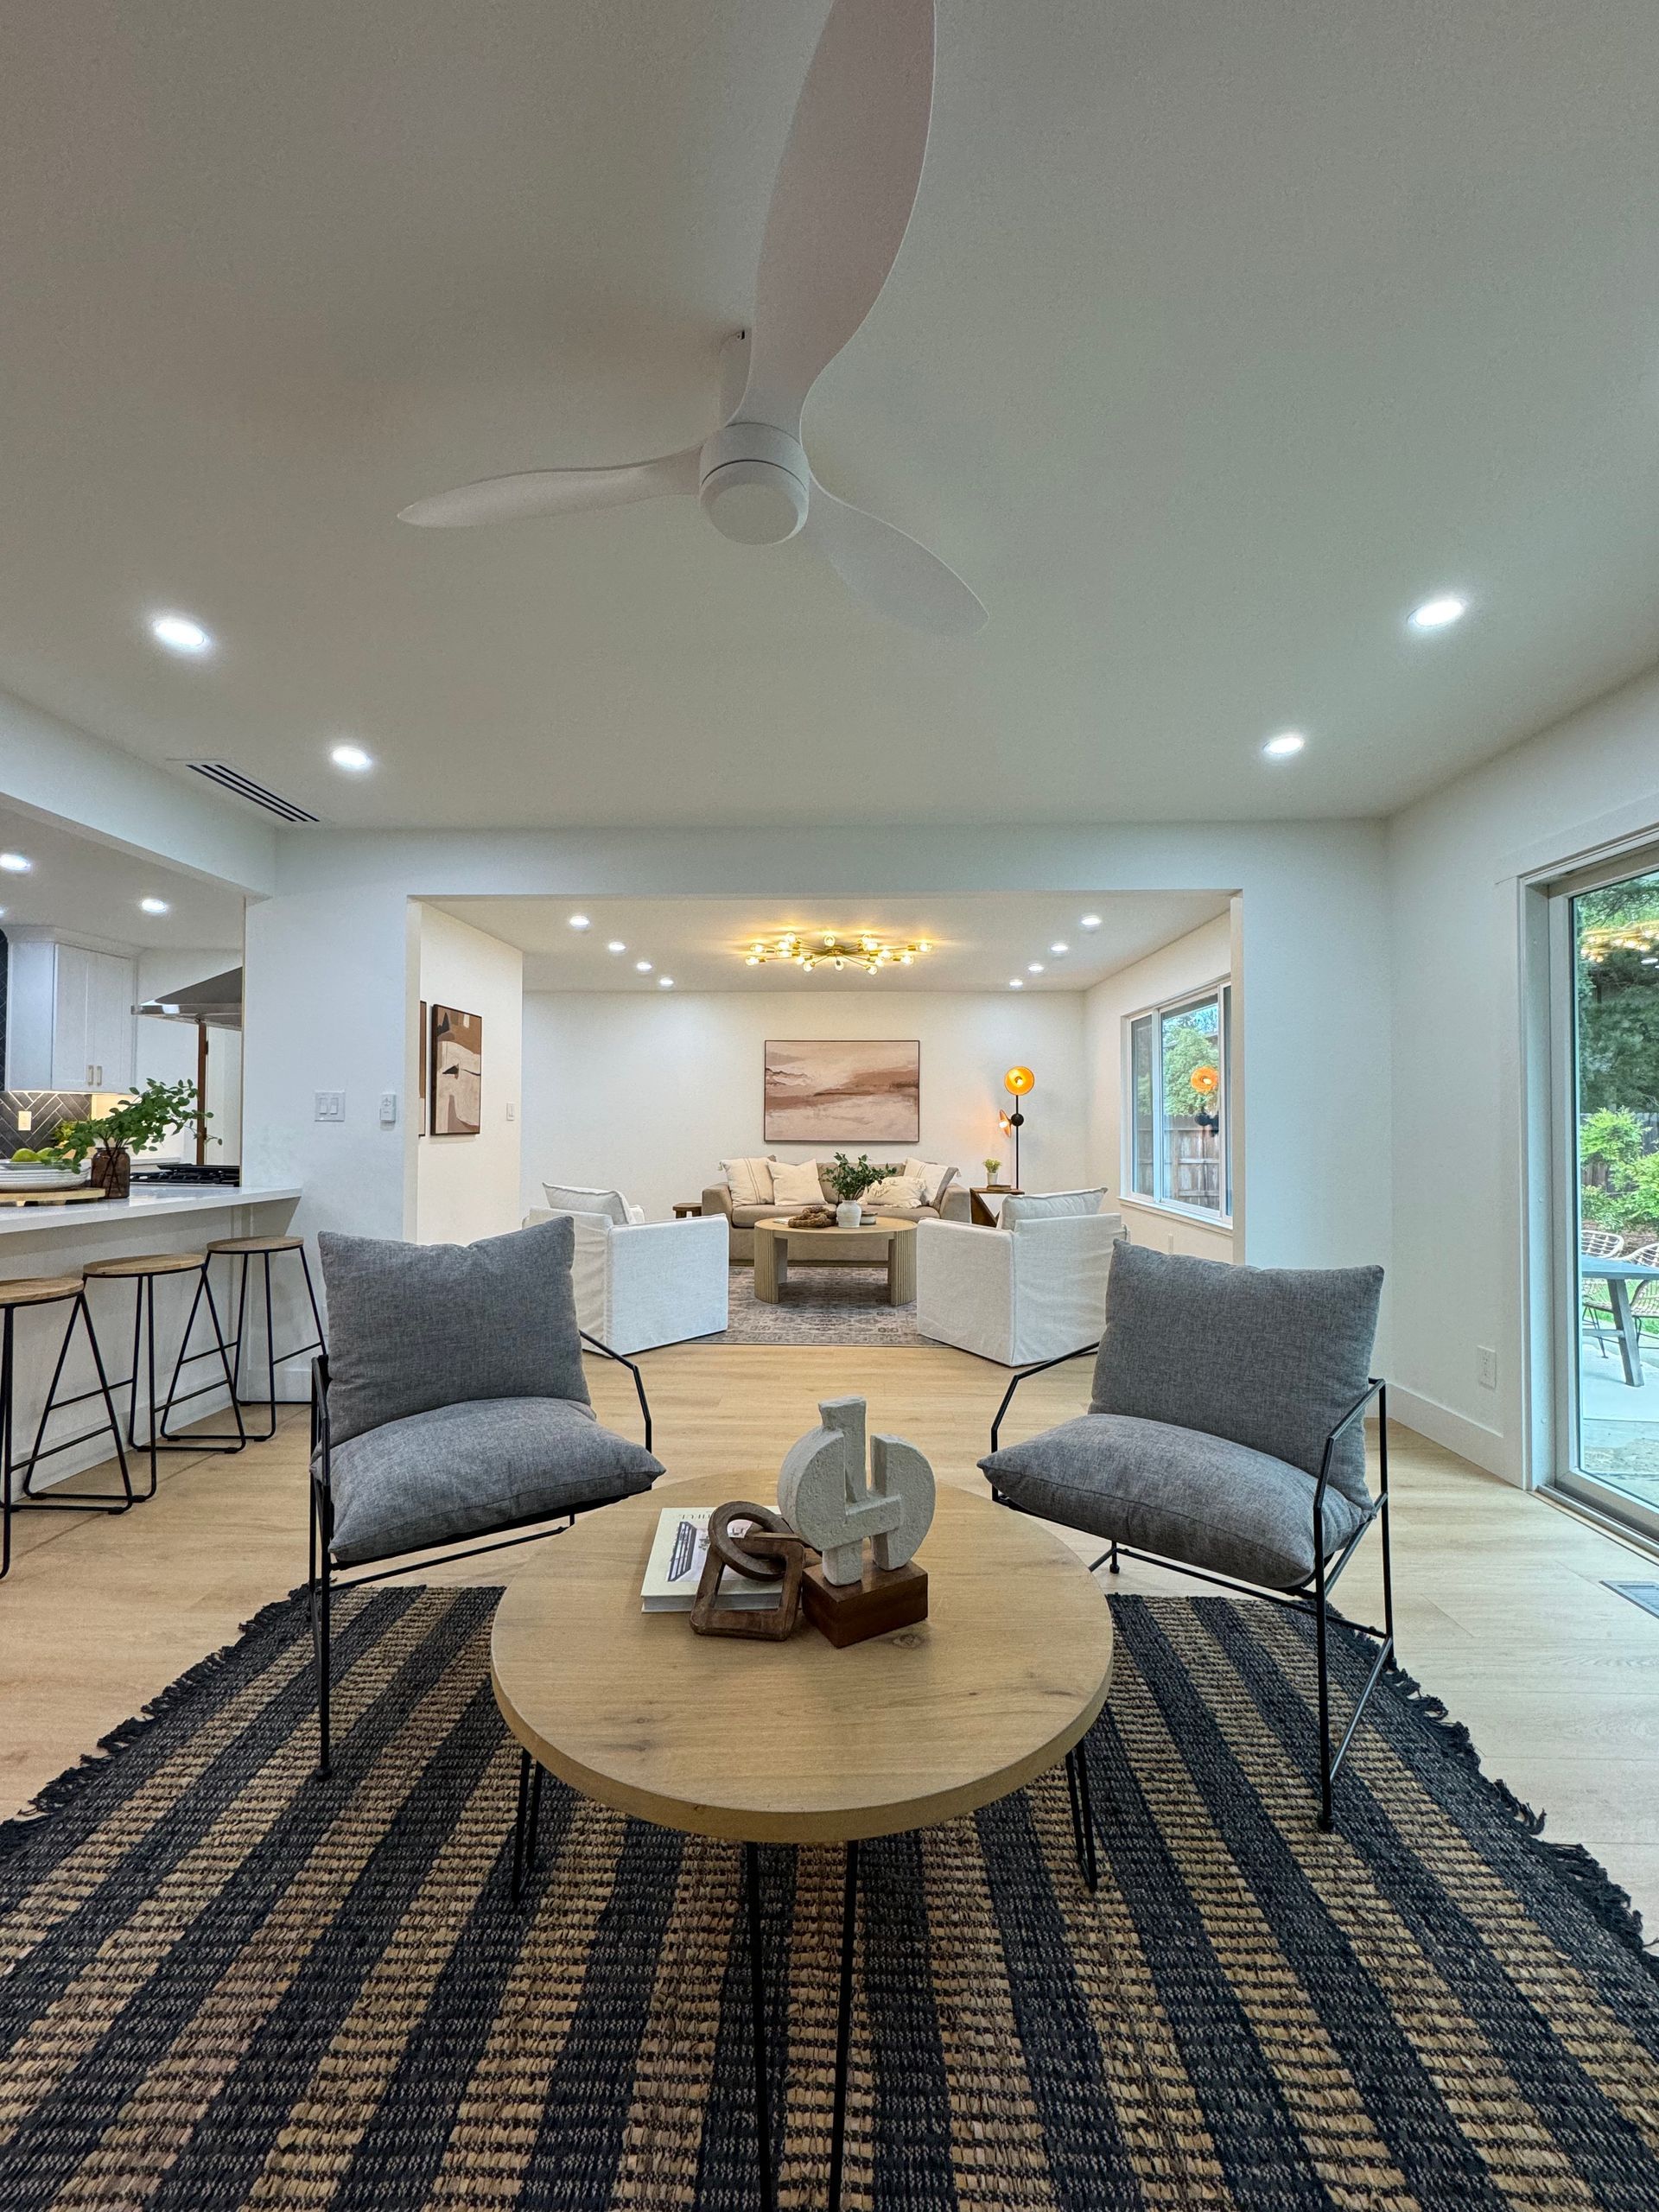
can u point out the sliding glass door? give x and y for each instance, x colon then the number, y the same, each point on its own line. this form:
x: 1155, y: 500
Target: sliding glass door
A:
x: 1606, y: 1028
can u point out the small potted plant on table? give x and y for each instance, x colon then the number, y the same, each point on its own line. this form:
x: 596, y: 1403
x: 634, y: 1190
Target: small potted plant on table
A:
x: 159, y: 1111
x: 850, y: 1179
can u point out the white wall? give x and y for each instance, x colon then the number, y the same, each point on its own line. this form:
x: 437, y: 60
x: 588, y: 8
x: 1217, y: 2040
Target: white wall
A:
x: 649, y: 1093
x: 1201, y: 957
x: 330, y: 980
x: 1455, y: 865
x: 467, y: 1187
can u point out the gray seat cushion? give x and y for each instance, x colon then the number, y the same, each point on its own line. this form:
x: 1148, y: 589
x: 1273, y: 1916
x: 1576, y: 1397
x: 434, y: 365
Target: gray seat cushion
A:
x: 461, y: 1469
x: 415, y: 1326
x: 1175, y: 1491
x: 1270, y: 1358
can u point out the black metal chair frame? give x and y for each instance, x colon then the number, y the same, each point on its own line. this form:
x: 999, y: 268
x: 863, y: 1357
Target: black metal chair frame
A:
x: 1310, y: 1597
x: 323, y: 1582
x: 319, y: 1343
x: 29, y: 1501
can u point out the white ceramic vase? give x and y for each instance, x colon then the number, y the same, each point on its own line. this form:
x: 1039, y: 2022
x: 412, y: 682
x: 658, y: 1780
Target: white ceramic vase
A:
x: 848, y: 1214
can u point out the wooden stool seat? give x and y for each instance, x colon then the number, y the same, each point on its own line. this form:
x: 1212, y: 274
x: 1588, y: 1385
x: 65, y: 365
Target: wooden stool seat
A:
x: 38, y: 1290
x: 257, y: 1244
x: 148, y: 1263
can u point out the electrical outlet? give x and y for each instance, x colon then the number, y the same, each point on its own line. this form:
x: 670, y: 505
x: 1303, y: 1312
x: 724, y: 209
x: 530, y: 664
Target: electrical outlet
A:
x: 25, y: 1121
x: 388, y: 1109
x: 331, y: 1106
x: 1486, y: 1367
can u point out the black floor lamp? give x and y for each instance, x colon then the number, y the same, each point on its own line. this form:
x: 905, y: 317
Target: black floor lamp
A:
x: 1020, y: 1082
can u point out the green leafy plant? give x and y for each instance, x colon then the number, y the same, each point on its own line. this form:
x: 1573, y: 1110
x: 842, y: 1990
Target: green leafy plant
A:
x: 157, y: 1111
x: 1627, y: 1199
x: 991, y: 1167
x: 851, y: 1178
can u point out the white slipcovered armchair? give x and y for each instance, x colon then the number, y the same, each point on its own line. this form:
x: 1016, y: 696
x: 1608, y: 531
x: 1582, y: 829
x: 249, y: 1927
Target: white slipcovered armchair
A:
x: 639, y: 1284
x: 1033, y: 1290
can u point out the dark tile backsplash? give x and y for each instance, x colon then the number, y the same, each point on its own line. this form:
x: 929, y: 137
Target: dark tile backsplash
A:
x: 50, y: 1109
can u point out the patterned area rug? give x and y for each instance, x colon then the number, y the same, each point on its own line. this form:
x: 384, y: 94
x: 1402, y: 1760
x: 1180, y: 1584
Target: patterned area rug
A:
x: 818, y: 1305
x: 227, y: 1984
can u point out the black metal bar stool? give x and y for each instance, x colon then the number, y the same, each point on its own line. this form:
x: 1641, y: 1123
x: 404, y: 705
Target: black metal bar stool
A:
x: 265, y: 1249
x: 52, y: 1290
x: 145, y: 1271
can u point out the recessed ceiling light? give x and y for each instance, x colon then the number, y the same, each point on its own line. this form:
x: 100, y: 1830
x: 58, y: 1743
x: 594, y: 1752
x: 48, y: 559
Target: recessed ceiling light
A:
x: 1286, y: 744
x: 1059, y: 947
x: 154, y: 906
x: 352, y: 757
x: 181, y: 633
x: 15, y: 864
x: 579, y: 921
x: 1034, y: 968
x: 1439, y: 613
x: 664, y: 983
x: 616, y: 945
x: 1016, y: 983
x: 1091, y: 921
x: 644, y: 967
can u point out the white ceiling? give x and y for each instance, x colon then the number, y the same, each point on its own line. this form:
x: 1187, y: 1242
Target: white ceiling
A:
x: 979, y: 941
x: 1221, y: 337
x: 92, y: 890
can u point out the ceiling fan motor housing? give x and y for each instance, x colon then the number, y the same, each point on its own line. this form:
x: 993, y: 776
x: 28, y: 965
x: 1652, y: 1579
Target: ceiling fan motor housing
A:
x: 753, y: 483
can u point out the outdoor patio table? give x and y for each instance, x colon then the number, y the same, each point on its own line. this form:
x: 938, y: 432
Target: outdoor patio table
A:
x: 1618, y: 1275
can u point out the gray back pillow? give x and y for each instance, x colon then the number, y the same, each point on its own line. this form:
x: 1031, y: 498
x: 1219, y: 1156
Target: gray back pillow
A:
x: 1049, y: 1206
x: 415, y: 1326
x: 1267, y: 1356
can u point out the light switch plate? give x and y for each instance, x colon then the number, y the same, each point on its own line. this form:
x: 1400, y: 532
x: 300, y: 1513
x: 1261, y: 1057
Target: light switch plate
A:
x: 331, y: 1106
x: 1486, y: 1367
x: 513, y: 1112
x: 25, y: 1120
x: 388, y: 1109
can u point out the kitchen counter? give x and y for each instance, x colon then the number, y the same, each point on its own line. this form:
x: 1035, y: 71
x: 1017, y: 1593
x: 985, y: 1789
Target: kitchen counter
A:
x: 151, y: 1205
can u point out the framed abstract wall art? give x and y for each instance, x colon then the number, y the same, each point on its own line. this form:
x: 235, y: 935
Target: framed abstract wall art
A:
x: 457, y: 1072
x: 861, y: 1091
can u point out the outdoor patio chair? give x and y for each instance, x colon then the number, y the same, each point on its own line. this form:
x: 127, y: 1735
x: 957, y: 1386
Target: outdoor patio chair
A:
x: 1224, y: 1438
x: 451, y: 1405
x: 1596, y: 1300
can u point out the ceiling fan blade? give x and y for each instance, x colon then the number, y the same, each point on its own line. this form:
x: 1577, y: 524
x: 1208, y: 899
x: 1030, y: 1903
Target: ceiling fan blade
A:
x: 844, y: 191
x: 554, y: 492
x: 891, y: 572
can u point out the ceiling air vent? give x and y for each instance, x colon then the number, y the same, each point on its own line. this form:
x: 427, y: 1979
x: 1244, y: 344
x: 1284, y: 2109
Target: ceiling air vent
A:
x: 240, y: 786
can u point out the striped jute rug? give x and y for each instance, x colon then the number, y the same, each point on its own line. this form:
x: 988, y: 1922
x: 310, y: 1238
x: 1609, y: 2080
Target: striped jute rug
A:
x: 227, y: 1984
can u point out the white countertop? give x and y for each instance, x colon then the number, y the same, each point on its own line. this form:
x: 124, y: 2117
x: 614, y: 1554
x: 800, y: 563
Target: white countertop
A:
x: 149, y: 1203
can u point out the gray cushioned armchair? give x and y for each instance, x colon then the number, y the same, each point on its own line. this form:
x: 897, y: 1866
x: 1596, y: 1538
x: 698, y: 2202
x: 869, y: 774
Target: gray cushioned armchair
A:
x: 1224, y: 1437
x: 451, y: 1406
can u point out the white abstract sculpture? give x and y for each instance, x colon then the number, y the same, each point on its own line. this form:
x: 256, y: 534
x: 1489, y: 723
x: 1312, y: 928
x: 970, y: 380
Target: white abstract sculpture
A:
x: 823, y: 1495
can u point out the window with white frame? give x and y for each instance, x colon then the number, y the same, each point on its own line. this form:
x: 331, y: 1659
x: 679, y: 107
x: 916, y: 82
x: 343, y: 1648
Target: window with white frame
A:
x: 1177, y: 1139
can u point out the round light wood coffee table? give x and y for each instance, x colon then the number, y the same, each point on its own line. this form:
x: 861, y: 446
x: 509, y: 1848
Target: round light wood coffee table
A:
x: 797, y: 1742
x: 776, y: 1244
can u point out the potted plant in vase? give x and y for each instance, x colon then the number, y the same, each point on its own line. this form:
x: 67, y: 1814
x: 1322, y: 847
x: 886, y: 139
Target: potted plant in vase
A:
x: 991, y: 1168
x: 850, y: 1179
x: 157, y: 1111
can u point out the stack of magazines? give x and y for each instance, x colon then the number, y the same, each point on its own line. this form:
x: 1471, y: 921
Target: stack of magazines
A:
x: 675, y: 1567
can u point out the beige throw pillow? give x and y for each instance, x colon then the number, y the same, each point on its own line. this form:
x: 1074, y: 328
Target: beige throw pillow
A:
x: 933, y: 1178
x: 795, y: 1183
x: 750, y: 1181
x: 896, y: 1190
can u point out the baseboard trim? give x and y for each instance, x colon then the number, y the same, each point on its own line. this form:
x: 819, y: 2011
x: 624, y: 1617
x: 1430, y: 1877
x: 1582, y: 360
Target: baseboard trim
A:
x: 1453, y: 1432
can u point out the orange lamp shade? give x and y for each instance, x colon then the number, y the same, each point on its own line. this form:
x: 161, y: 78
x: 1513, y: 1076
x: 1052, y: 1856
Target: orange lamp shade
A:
x: 1205, y: 1080
x: 1019, y: 1081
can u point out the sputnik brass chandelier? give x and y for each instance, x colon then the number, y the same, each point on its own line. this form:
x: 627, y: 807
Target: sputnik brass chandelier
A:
x: 859, y: 949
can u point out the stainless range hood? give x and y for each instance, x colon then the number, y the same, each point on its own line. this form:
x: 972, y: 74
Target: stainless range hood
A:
x: 217, y: 1000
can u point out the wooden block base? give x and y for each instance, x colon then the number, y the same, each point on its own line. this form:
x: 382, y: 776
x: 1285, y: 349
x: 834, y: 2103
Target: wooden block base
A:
x: 851, y: 1612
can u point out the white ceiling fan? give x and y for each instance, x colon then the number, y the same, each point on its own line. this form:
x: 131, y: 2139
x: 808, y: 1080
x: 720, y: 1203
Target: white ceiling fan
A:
x: 842, y: 198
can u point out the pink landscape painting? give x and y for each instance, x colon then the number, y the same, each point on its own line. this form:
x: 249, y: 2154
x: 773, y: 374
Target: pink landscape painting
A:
x: 821, y: 1092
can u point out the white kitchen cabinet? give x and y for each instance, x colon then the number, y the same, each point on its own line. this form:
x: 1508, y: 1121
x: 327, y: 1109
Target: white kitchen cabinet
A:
x: 70, y: 1024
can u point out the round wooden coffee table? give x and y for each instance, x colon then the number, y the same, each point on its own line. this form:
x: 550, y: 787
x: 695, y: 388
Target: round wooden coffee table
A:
x: 776, y: 1244
x: 797, y: 1742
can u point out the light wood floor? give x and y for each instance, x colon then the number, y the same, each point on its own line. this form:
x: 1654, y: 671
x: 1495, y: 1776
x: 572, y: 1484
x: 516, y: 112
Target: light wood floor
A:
x: 1500, y: 1604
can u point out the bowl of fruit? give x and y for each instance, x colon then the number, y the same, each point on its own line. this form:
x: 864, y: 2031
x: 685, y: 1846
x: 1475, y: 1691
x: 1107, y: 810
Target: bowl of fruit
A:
x: 29, y: 1169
